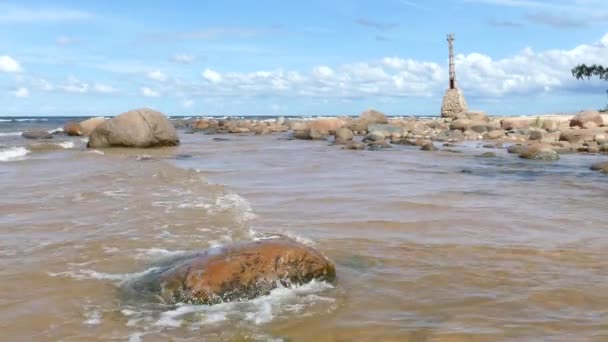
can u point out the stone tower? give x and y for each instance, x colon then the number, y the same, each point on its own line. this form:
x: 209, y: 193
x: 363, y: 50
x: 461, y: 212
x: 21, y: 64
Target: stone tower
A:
x: 453, y: 100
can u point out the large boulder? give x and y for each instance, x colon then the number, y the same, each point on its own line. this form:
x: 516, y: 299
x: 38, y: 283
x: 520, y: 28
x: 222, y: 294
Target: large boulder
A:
x: 578, y: 135
x: 343, y: 136
x: 367, y: 118
x: 587, y: 119
x: 37, y: 135
x: 233, y: 273
x: 88, y: 126
x: 137, y: 128
x: 327, y: 126
x: 509, y: 124
x: 72, y: 129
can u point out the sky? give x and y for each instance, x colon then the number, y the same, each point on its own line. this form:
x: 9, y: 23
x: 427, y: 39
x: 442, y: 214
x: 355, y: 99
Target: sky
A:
x: 271, y: 57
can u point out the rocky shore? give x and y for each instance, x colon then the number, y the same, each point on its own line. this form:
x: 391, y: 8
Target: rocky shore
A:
x: 542, y: 138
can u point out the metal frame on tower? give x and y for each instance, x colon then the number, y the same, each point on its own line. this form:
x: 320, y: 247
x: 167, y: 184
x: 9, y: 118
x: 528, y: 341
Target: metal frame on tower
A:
x: 451, y: 38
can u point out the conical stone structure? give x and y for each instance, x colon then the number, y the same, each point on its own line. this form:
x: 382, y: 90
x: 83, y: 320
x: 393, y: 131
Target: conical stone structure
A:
x: 453, y: 100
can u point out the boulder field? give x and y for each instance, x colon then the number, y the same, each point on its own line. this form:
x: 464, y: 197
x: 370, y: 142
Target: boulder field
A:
x: 236, y: 272
x: 584, y: 132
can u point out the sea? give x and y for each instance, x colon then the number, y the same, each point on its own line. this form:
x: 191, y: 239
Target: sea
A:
x: 428, y: 246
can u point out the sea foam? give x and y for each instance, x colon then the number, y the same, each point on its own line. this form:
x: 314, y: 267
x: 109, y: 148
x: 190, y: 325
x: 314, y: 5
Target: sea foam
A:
x: 13, y: 153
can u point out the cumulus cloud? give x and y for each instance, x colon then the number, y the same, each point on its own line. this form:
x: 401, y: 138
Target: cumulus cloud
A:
x: 22, y: 93
x: 212, y: 76
x: 527, y: 72
x: 148, y: 92
x: 157, y: 75
x: 182, y: 59
x: 9, y: 64
x: 104, y: 89
x: 74, y: 85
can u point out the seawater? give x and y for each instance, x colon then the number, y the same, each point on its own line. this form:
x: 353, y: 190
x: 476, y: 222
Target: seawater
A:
x: 428, y: 246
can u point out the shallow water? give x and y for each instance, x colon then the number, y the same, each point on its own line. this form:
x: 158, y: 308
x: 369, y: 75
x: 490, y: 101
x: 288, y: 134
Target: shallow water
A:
x: 428, y: 246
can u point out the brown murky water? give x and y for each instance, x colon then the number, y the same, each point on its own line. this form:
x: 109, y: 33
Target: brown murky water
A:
x: 428, y: 246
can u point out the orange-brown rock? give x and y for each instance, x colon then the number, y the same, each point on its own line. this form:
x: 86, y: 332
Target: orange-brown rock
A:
x: 88, y: 126
x: 201, y: 124
x: 587, y: 119
x: 72, y: 129
x: 239, y: 272
x: 327, y: 126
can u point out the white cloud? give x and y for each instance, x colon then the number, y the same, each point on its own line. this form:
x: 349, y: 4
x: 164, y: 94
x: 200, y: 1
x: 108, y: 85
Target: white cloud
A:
x: 182, y: 59
x: 74, y: 85
x: 15, y: 14
x: 8, y: 64
x: 157, y: 75
x: 104, y: 89
x: 22, y: 93
x: 147, y: 92
x: 212, y: 76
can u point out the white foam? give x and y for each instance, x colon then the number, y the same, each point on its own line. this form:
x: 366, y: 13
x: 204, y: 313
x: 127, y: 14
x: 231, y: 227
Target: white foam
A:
x: 9, y: 134
x: 93, y: 318
x: 31, y: 120
x: 96, y: 152
x: 260, y: 310
x: 13, y: 153
x: 84, y: 274
x: 67, y: 144
x: 233, y: 201
x: 56, y: 130
x: 136, y: 337
x: 156, y: 253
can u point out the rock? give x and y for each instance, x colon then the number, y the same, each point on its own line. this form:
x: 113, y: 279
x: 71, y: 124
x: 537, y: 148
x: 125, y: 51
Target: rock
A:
x: 487, y: 155
x: 429, y: 146
x: 37, y: 135
x: 354, y: 145
x: 137, y: 128
x: 586, y: 117
x: 539, y: 152
x: 515, y: 123
x: 88, y: 126
x: 450, y: 135
x: 326, y: 126
x: 537, y: 134
x: 577, y: 135
x: 238, y: 272
x: 298, y: 126
x: 302, y: 134
x: 516, y: 148
x: 375, y: 136
x: 604, y: 147
x: 72, y: 129
x: 239, y: 130
x: 379, y: 145
x: 590, y: 125
x: 473, y: 115
x: 367, y: 118
x: 386, y: 129
x: 373, y: 117
x: 343, y: 136
x: 318, y: 135
x: 550, y: 125
x: 461, y: 124
x: 601, y: 166
x: 495, y: 134
x: 221, y: 139
x: 201, y: 124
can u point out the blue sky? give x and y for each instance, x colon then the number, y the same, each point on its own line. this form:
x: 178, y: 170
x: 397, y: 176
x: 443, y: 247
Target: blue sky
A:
x: 270, y: 57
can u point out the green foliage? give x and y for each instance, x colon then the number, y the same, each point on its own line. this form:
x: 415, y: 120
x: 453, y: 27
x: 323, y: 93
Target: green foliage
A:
x: 582, y: 70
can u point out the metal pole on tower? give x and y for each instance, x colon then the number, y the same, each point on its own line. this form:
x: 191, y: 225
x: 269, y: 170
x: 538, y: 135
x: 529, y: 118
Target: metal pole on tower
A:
x: 451, y: 39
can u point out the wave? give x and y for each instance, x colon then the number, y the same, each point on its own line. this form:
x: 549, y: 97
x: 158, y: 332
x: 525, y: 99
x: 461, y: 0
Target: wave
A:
x: 13, y: 153
x: 258, y: 311
x: 10, y: 134
x: 85, y: 274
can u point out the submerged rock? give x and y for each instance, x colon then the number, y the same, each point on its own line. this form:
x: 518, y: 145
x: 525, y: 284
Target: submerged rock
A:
x: 233, y: 273
x: 539, y: 152
x: 37, y: 135
x: 343, y: 136
x: 601, y: 166
x: 429, y: 146
x: 136, y: 128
